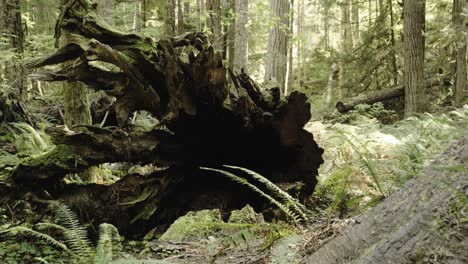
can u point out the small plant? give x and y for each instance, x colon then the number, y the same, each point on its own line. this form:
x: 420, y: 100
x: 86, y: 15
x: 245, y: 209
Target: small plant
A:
x: 290, y: 206
x: 76, y: 241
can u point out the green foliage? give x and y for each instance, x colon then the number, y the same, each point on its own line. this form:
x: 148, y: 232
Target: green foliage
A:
x: 363, y: 112
x: 359, y: 159
x: 289, y: 206
x: 76, y: 244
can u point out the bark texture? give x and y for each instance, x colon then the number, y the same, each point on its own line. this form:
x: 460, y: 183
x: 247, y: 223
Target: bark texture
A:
x: 461, y: 68
x: 14, y: 75
x: 214, y: 23
x: 240, y: 35
x: 276, y: 66
x: 414, y: 12
x: 170, y: 18
x: 421, y: 223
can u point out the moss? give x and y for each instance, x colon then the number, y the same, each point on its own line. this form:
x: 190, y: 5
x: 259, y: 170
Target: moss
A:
x: 246, y: 215
x: 193, y: 226
x: 62, y: 156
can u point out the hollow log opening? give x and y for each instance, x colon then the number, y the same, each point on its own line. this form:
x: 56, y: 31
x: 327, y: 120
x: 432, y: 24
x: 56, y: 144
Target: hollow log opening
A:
x: 205, y: 119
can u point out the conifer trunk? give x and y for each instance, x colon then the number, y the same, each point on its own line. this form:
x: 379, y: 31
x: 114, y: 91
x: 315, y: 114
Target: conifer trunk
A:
x: 413, y: 30
x: 461, y: 49
x: 241, y: 36
x: 278, y: 44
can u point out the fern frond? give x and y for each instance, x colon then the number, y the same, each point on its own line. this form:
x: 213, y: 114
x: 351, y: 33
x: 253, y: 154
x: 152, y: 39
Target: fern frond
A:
x: 364, y: 158
x: 75, y: 234
x: 36, y: 234
x: 284, y: 196
x: 108, y: 245
x: 296, y: 218
x: 42, y: 226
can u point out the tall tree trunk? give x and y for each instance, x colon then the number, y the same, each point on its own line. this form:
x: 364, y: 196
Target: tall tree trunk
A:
x: 346, y: 43
x: 461, y: 43
x: 231, y: 33
x: 413, y: 31
x: 369, y: 11
x: 290, y: 51
x: 326, y: 26
x: 106, y: 10
x: 303, y: 37
x: 240, y: 35
x: 170, y: 17
x: 393, y: 42
x: 180, y: 17
x: 201, y: 13
x: 12, y: 39
x: 214, y: 23
x: 278, y: 44
x: 355, y: 20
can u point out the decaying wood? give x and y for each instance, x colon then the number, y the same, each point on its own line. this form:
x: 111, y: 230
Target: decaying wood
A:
x: 424, y: 222
x: 386, y: 94
x: 204, y: 120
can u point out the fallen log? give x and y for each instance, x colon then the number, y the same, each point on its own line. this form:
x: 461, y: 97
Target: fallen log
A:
x: 383, y: 95
x: 424, y: 222
x: 204, y: 120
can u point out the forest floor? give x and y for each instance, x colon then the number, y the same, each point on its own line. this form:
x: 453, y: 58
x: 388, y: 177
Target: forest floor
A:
x: 365, y: 162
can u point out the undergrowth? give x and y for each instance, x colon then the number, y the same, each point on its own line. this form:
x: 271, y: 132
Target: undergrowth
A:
x: 365, y: 161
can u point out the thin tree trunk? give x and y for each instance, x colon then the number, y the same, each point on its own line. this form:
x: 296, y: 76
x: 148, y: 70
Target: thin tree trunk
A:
x: 413, y: 30
x: 333, y: 69
x: 326, y: 26
x: 369, y: 11
x: 169, y: 20
x: 231, y: 33
x: 393, y: 42
x: 278, y: 44
x: 214, y: 23
x: 346, y: 43
x: 461, y: 43
x: 355, y: 20
x: 180, y: 17
x: 290, y: 52
x: 241, y: 36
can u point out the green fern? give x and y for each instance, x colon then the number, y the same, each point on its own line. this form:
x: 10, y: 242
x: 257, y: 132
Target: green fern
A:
x: 26, y: 230
x: 296, y: 206
x: 297, y: 218
x: 363, y: 154
x: 75, y: 234
x: 109, y: 243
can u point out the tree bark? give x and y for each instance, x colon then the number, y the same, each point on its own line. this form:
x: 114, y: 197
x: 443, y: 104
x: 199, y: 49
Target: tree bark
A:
x: 170, y: 18
x: 214, y: 23
x: 278, y: 44
x: 386, y: 94
x: 12, y: 40
x: 231, y: 34
x: 461, y: 48
x: 346, y: 44
x: 356, y: 22
x: 420, y: 223
x: 241, y: 48
x: 392, y: 54
x: 413, y: 31
x: 180, y: 17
